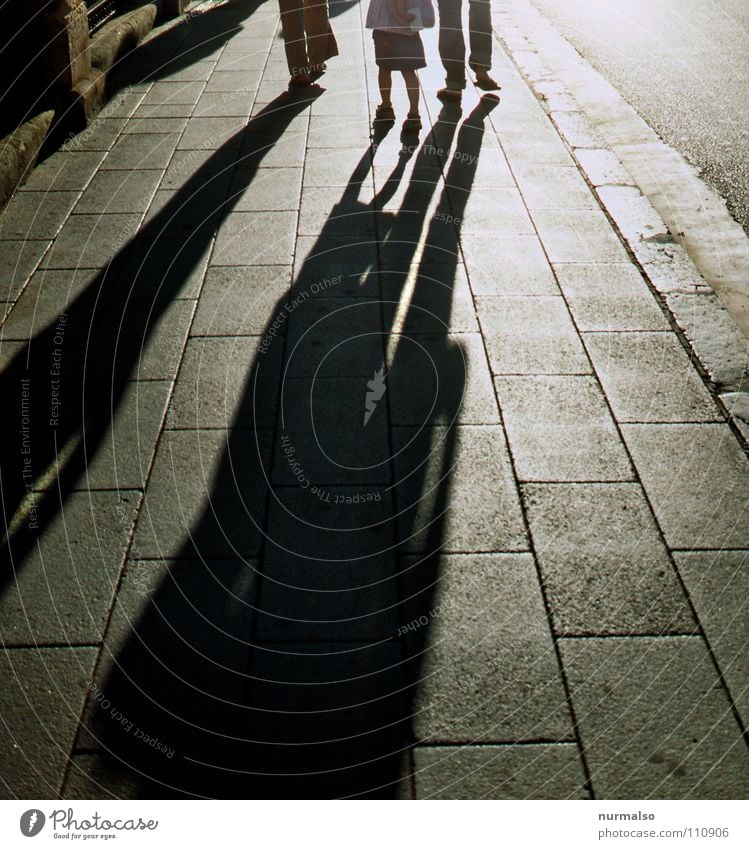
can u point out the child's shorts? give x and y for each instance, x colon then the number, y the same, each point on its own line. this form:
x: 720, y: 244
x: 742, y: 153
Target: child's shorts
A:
x: 397, y: 52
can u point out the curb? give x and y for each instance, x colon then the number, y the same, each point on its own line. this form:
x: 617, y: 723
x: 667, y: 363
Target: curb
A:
x: 709, y: 331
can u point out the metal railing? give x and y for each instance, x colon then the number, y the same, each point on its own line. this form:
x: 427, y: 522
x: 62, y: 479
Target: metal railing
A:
x: 99, y: 12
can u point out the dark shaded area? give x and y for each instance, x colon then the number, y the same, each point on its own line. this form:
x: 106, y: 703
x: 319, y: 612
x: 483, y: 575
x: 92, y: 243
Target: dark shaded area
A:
x: 58, y: 413
x: 283, y: 671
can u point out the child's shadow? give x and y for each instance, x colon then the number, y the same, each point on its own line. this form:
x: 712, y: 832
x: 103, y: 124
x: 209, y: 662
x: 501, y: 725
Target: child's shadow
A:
x: 269, y: 662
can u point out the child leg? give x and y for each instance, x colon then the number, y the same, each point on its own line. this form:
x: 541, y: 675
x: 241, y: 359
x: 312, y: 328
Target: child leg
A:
x: 412, y: 89
x: 385, y: 82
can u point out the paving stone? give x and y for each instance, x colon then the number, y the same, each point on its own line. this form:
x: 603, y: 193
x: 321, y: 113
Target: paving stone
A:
x: 91, y: 241
x: 702, y: 501
x: 119, y: 191
x: 334, y: 337
x: 37, y: 215
x: 470, y: 463
x: 718, y: 586
x: 225, y: 104
x: 206, y: 495
x: 322, y: 431
x: 658, y: 705
x: 98, y: 776
x: 330, y: 131
x: 240, y: 301
x: 186, y: 215
x: 210, y: 133
x: 485, y: 663
x: 578, y: 130
x: 271, y: 189
x: 326, y: 210
x: 136, y: 151
x: 507, y: 265
x: 491, y: 212
x: 536, y: 771
x: 578, y: 236
x: 560, y: 429
x: 64, y: 585
x: 270, y: 150
x: 18, y: 259
x: 331, y: 167
x: 100, y: 134
x: 231, y: 81
x: 344, y: 265
x: 531, y: 335
x: 440, y: 379
x: 124, y: 456
x: 441, y: 302
x: 335, y: 711
x: 609, y: 296
x: 165, y: 269
x: 175, y: 661
x: 199, y: 170
x: 162, y: 110
x: 648, y: 377
x: 34, y: 748
x: 538, y: 145
x: 604, y: 566
x: 225, y: 382
x: 186, y: 72
x: 153, y: 347
x: 64, y: 171
x: 246, y: 238
x: 555, y: 187
x: 155, y: 126
x: 603, y: 168
x: 174, y: 92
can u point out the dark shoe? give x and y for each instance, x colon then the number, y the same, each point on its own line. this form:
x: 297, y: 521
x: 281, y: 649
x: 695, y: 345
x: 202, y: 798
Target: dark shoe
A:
x: 450, y: 95
x: 412, y: 124
x: 299, y: 80
x: 384, y: 113
x: 486, y: 82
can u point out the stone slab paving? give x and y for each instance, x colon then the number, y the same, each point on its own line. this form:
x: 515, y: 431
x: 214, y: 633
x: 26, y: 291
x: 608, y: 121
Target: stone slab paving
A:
x: 382, y: 473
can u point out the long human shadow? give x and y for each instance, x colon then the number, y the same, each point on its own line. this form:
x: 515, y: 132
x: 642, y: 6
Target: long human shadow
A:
x: 283, y: 671
x: 64, y: 386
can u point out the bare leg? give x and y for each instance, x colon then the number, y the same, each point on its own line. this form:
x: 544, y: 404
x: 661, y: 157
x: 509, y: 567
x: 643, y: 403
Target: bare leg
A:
x: 412, y: 89
x: 385, y: 82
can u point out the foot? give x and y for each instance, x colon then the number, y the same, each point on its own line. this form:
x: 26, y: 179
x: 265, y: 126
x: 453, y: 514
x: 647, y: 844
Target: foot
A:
x: 448, y: 94
x: 319, y: 70
x: 299, y: 80
x: 412, y: 124
x: 486, y: 82
x: 384, y: 112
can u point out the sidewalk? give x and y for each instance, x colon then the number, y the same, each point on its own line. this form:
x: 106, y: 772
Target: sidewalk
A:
x: 340, y: 467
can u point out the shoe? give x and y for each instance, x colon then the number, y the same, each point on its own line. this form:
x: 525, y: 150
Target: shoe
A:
x: 384, y: 113
x: 450, y: 95
x: 486, y: 82
x: 299, y: 80
x: 319, y: 71
x: 412, y: 124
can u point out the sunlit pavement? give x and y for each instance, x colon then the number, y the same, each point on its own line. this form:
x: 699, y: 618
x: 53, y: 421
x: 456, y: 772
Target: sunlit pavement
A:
x: 341, y: 465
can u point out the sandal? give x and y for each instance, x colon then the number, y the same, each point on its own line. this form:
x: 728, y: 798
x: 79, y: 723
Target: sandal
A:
x: 412, y: 124
x: 384, y: 113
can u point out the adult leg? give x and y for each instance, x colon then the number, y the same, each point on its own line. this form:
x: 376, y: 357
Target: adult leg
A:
x: 480, y: 40
x: 452, y: 46
x: 321, y: 43
x: 295, y: 43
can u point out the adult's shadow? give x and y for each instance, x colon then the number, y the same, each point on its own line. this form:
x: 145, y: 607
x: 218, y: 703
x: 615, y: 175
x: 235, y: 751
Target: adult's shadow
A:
x: 279, y: 666
x: 65, y: 384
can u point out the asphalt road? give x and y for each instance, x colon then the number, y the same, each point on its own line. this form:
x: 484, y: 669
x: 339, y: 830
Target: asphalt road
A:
x: 684, y: 66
